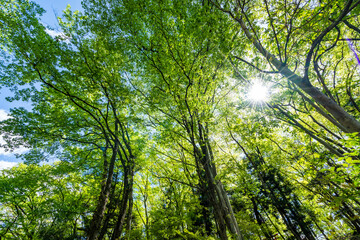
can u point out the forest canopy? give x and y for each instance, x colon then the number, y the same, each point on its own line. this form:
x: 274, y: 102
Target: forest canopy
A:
x: 183, y: 119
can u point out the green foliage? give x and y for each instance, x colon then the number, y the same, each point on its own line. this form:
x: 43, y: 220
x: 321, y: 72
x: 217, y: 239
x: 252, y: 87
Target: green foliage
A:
x: 42, y: 202
x: 140, y: 110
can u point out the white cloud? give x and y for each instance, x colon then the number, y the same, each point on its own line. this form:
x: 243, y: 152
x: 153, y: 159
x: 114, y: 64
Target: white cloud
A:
x: 6, y: 165
x: 56, y: 34
x: 3, y: 115
x: 19, y: 150
x: 53, y: 33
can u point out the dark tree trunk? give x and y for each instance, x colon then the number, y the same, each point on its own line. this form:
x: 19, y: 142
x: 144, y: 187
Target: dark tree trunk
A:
x: 260, y: 220
x: 97, y: 219
x: 125, y: 203
x: 129, y: 212
x: 203, y: 215
x: 223, y: 212
x: 113, y: 202
x: 352, y: 218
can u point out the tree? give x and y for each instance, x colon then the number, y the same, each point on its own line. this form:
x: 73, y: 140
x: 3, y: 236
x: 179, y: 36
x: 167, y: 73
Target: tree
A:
x: 41, y: 202
x: 300, y: 43
x: 146, y: 100
x: 79, y: 105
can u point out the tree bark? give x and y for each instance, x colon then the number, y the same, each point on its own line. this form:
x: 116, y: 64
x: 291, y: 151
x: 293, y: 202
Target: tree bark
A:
x: 219, y: 197
x: 260, y: 220
x: 125, y: 205
x: 98, y: 216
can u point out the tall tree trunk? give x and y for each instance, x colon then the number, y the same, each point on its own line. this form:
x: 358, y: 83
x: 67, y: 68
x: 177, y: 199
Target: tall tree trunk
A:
x: 352, y: 218
x: 202, y: 218
x: 113, y: 202
x: 125, y: 202
x: 217, y: 206
x: 219, y: 200
x: 98, y: 215
x: 130, y: 210
x: 224, y: 215
x: 260, y: 220
x: 270, y: 187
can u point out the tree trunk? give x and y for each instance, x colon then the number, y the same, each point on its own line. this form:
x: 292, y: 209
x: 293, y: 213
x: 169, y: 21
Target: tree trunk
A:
x: 224, y: 215
x: 352, y: 218
x: 125, y: 203
x: 98, y: 216
x: 260, y: 220
x: 223, y: 211
x: 129, y: 212
x: 113, y: 202
x: 204, y: 220
x: 344, y: 118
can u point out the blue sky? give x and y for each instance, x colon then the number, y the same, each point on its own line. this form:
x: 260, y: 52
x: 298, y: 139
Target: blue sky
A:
x: 53, y: 9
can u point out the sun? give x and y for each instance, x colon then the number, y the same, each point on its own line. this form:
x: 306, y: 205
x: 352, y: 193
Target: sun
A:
x: 258, y: 92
